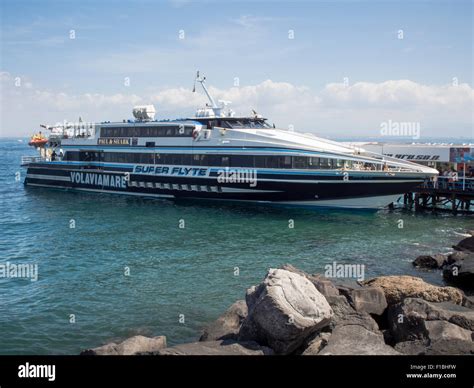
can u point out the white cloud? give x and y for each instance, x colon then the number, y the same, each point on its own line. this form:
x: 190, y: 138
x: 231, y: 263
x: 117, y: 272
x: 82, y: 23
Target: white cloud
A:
x: 340, y: 110
x: 400, y: 93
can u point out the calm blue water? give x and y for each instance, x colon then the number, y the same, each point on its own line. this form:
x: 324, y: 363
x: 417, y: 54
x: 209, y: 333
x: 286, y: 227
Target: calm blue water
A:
x: 173, y: 271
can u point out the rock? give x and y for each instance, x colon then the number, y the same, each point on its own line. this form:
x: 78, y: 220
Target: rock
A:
x: 316, y: 343
x: 407, y: 320
x: 252, y: 295
x: 227, y: 326
x: 439, y: 347
x: 438, y: 330
x: 415, y: 348
x: 461, y: 273
x: 217, y: 348
x: 397, y: 288
x: 458, y: 256
x: 466, y: 244
x: 369, y: 299
x: 450, y: 347
x: 284, y: 310
x: 468, y: 302
x: 344, y: 315
x: 356, y: 340
x: 430, y: 261
x: 346, y: 286
x: 131, y: 346
x: 322, y: 284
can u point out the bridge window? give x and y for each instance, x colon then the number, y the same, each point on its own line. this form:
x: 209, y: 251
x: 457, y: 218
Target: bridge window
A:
x: 180, y: 130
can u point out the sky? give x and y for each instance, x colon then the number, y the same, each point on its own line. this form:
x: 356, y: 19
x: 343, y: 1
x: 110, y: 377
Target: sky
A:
x: 340, y: 68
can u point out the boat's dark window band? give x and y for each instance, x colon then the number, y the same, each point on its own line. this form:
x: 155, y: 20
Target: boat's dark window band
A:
x: 235, y: 123
x: 148, y: 131
x: 253, y: 161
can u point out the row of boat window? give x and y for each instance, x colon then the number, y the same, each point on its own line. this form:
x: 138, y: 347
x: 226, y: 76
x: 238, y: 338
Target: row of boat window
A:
x: 148, y: 131
x: 237, y: 123
x: 256, y: 161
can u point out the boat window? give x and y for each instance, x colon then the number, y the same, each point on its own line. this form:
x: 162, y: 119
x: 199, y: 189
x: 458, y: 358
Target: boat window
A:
x: 199, y: 160
x: 325, y: 163
x: 187, y: 159
x: 271, y: 161
x: 241, y: 161
x: 180, y: 130
x: 300, y: 161
x: 285, y: 162
x: 348, y: 164
x: 250, y: 161
x: 259, y: 161
x: 146, y: 158
x: 314, y: 163
x: 225, y: 161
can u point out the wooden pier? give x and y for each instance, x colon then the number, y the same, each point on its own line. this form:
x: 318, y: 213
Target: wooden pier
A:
x: 443, y: 195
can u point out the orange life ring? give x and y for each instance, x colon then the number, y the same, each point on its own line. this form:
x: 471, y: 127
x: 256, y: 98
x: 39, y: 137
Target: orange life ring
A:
x: 195, y: 134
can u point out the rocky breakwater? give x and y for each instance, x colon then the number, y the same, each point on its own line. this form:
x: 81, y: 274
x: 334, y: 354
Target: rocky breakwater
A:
x: 457, y: 266
x: 295, y: 313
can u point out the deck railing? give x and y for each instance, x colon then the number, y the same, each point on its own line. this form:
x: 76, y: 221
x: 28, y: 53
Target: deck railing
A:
x: 25, y: 160
x: 458, y: 183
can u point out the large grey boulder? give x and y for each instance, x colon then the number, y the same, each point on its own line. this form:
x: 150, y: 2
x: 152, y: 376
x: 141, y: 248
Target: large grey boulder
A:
x: 316, y: 343
x: 344, y: 314
x: 458, y: 256
x: 284, y: 310
x: 368, y: 299
x: 461, y: 272
x: 430, y: 261
x: 217, y: 348
x: 356, y: 340
x: 407, y: 320
x: 438, y: 330
x: 324, y: 285
x: 414, y: 348
x: 439, y: 347
x: 397, y: 288
x: 466, y: 244
x: 445, y: 347
x: 131, y: 346
x: 227, y: 326
x: 468, y: 301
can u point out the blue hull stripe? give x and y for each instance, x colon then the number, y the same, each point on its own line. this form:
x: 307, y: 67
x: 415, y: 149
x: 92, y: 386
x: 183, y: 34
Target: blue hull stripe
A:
x: 214, y: 171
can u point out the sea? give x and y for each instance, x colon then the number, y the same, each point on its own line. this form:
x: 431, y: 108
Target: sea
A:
x: 111, y: 266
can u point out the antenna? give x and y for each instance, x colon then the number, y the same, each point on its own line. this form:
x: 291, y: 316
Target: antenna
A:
x: 194, y: 87
x: 202, y: 80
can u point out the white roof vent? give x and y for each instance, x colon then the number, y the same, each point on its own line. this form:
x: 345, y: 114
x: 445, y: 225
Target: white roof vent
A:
x: 144, y: 112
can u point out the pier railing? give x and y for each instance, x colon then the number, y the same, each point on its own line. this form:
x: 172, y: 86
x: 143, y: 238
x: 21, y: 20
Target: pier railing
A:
x: 451, y: 184
x: 446, y: 193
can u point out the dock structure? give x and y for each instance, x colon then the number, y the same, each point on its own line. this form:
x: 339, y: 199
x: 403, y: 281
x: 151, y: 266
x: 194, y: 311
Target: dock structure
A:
x: 444, y: 194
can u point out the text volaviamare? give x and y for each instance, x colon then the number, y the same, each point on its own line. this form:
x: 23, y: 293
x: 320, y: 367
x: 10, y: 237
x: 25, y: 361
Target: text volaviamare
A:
x: 105, y: 180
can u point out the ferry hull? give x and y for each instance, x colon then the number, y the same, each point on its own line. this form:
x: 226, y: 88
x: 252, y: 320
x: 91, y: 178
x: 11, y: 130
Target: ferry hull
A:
x: 320, y: 191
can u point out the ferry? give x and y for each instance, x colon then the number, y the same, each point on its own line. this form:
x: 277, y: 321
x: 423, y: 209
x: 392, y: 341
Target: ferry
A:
x: 217, y: 155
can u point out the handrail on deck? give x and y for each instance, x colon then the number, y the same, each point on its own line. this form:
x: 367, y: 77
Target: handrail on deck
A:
x: 25, y: 160
x: 450, y: 183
